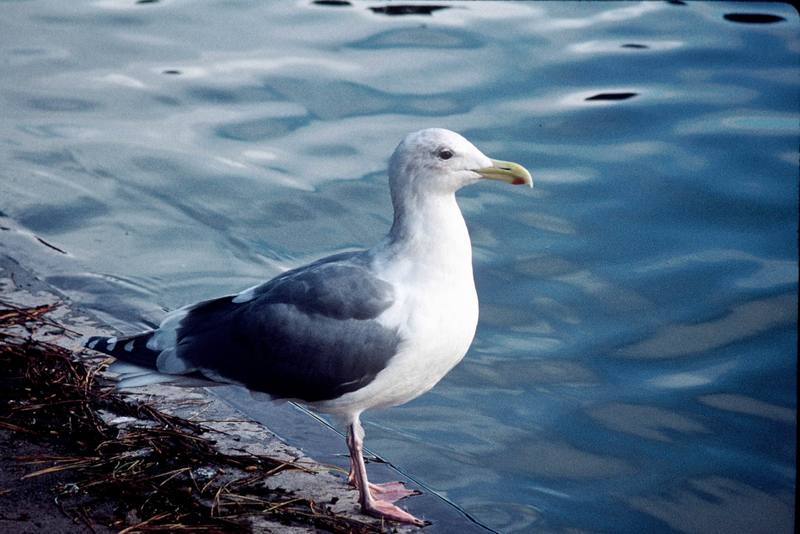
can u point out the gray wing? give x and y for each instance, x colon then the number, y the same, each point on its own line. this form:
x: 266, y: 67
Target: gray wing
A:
x: 308, y: 334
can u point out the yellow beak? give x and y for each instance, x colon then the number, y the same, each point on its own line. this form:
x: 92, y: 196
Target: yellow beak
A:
x: 507, y: 171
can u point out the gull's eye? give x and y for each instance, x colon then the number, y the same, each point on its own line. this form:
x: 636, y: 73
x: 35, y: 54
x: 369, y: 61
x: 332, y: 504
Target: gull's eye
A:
x: 445, y: 153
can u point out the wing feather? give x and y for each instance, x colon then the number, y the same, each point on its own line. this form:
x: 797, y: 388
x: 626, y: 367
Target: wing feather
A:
x: 309, y: 334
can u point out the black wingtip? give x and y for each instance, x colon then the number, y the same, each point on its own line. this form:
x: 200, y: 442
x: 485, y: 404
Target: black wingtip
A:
x: 96, y: 343
x: 131, y: 349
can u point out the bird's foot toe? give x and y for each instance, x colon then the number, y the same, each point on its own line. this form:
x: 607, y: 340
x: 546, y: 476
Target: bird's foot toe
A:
x: 391, y: 491
x: 386, y: 510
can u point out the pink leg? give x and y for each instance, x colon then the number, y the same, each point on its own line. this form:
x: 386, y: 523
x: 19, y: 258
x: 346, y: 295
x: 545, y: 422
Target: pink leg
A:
x: 391, y: 491
x: 374, y: 505
x: 385, y: 491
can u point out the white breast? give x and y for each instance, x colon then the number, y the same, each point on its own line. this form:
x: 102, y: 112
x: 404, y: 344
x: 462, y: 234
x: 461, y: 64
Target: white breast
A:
x: 442, y: 325
x: 437, y: 338
x: 435, y: 313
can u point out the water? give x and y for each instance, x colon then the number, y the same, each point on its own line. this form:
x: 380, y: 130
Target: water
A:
x: 635, y: 365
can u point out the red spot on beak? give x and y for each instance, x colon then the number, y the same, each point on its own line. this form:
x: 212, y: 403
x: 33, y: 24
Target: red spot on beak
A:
x: 518, y: 181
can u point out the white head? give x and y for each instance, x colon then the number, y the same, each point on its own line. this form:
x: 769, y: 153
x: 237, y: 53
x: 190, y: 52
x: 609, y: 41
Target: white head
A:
x: 440, y: 161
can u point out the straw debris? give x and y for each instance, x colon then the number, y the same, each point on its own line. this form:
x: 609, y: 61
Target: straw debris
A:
x: 160, y: 472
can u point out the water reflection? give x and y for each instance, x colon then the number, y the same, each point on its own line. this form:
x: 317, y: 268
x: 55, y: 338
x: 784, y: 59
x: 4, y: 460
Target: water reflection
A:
x: 421, y: 38
x: 753, y: 18
x: 516, y: 517
x: 749, y: 406
x: 411, y: 9
x: 610, y: 96
x: 648, y: 422
x: 719, y: 504
x: 617, y: 47
x: 615, y: 15
x: 757, y: 121
x: 765, y: 273
x: 553, y: 459
x: 57, y: 104
x: 334, y: 3
x: 546, y: 223
x: 614, y: 297
x: 704, y: 376
x: 522, y: 374
x: 63, y: 216
x: 743, y: 321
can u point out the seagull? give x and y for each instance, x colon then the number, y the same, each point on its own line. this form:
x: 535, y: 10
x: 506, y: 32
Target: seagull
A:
x: 349, y: 332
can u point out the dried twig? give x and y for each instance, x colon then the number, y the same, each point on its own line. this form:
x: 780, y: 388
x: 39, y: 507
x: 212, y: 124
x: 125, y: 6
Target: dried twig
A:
x: 49, y: 392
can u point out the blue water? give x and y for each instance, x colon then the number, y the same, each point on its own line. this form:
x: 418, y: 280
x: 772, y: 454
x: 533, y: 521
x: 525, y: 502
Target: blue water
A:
x: 635, y: 365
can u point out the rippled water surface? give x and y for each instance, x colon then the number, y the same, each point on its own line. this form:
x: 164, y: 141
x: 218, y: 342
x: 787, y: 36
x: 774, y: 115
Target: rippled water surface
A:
x: 635, y: 365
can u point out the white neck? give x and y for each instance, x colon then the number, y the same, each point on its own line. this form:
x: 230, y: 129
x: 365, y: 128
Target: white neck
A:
x: 431, y: 230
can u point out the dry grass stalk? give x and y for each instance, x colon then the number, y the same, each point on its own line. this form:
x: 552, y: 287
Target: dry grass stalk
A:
x: 149, y: 470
